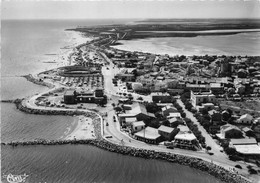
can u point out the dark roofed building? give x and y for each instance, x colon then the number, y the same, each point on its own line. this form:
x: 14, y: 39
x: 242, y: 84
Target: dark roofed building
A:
x: 70, y: 97
x: 167, y: 133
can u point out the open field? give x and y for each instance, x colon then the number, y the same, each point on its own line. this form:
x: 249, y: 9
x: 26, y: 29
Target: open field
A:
x: 250, y: 106
x: 173, y: 28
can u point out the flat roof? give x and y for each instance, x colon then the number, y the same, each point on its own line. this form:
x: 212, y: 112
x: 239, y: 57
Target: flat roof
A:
x: 174, y: 114
x: 172, y: 120
x: 183, y: 128
x: 159, y: 94
x: 148, y: 133
x: 248, y: 149
x: 130, y: 119
x: 165, y: 129
x: 138, y: 123
x: 168, y: 107
x: 243, y: 141
x: 127, y: 115
x: 185, y: 136
x: 69, y: 92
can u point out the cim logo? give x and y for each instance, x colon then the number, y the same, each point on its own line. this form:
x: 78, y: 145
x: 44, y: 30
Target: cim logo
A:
x: 15, y: 178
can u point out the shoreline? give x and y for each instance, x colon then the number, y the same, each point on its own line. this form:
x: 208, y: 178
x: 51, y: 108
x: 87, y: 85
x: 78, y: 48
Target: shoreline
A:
x: 196, y: 163
x: 82, y: 130
x: 193, y: 162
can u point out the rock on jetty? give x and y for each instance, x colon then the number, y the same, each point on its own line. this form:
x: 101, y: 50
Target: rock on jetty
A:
x: 212, y: 169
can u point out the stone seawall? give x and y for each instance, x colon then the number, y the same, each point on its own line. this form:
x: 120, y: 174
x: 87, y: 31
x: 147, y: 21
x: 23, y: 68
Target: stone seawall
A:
x: 212, y: 169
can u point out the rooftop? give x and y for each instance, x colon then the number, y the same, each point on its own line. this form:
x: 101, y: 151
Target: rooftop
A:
x: 248, y: 149
x: 148, y: 133
x: 174, y: 114
x: 246, y: 116
x: 138, y: 123
x: 160, y: 94
x: 69, y: 93
x: 166, y: 129
x: 243, y: 141
x: 183, y: 128
x: 130, y: 119
x: 185, y: 136
x: 168, y: 107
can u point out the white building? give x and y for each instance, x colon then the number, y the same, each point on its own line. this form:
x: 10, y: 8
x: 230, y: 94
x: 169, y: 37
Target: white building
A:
x: 201, y: 98
x: 245, y: 146
x: 137, y: 126
x: 245, y: 119
x: 129, y: 121
x: 186, y: 140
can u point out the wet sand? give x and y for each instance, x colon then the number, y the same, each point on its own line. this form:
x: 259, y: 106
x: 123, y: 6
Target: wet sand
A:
x: 84, y: 129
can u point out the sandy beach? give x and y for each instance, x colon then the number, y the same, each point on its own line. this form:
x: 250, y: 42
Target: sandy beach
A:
x: 74, y: 39
x: 84, y: 129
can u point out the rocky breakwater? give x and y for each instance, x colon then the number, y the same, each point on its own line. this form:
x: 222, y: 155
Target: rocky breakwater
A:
x: 21, y: 107
x: 30, y: 78
x: 217, y: 171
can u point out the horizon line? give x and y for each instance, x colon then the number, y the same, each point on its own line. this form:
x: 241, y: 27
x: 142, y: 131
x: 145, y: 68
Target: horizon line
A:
x: 228, y: 18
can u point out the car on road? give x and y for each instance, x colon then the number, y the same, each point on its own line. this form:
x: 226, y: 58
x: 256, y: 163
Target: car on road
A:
x: 108, y: 136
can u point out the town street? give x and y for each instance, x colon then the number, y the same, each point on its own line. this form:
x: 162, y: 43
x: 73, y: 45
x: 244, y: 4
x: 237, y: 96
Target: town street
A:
x: 215, y: 148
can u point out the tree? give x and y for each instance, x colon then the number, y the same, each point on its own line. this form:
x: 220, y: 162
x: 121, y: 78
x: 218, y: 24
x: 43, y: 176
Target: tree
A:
x: 208, y: 148
x: 140, y: 98
x: 154, y: 123
x: 230, y: 151
x: 113, y: 104
x: 118, y: 109
x: 183, y: 115
x: 152, y: 107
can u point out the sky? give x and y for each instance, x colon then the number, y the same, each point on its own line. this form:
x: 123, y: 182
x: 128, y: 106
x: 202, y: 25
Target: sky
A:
x: 105, y: 9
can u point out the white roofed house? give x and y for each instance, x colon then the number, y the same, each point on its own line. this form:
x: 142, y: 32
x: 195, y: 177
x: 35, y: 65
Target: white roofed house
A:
x: 137, y: 126
x: 186, y: 140
x: 174, y: 115
x: 129, y: 121
x: 203, y: 100
x: 149, y: 135
x: 246, y: 147
x: 245, y: 119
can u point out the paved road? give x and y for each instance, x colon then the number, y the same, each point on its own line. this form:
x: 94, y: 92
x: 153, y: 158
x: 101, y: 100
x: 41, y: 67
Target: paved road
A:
x: 215, y: 148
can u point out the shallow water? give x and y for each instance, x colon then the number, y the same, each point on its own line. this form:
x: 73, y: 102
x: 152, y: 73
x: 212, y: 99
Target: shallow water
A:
x: 238, y: 44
